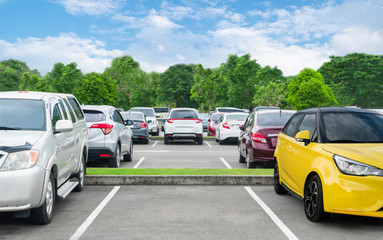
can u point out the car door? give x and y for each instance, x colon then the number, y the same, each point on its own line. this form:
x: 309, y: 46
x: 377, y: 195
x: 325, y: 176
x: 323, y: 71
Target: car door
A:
x: 124, y: 132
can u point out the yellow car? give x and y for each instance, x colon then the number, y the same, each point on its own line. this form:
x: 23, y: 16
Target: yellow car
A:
x: 332, y: 158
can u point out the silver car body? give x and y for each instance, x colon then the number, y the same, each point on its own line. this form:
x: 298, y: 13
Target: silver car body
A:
x: 150, y: 115
x: 61, y: 143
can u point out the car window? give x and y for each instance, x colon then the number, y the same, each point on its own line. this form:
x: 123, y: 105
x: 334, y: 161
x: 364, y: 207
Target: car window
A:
x: 56, y: 115
x: 250, y: 123
x: 239, y: 117
x: 63, y: 109
x: 146, y: 111
x: 309, y: 122
x: 20, y: 114
x: 94, y: 116
x: 291, y: 128
x: 273, y: 119
x: 117, y: 117
x: 70, y: 111
x: 184, y: 114
x: 132, y: 115
x: 76, y: 108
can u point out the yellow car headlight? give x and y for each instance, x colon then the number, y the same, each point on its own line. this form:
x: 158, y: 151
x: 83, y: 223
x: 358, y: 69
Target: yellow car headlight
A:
x: 351, y: 167
x: 20, y: 160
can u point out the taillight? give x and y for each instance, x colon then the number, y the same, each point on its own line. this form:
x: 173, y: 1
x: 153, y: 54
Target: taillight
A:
x: 225, y: 125
x: 170, y: 120
x: 105, y: 128
x: 143, y: 125
x: 257, y: 137
x: 198, y: 121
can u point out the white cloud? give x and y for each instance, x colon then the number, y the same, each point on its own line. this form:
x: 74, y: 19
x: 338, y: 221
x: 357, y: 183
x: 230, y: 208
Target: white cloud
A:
x: 90, y: 7
x: 41, y: 54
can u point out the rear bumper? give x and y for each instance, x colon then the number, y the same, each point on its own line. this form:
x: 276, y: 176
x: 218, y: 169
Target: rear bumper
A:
x: 184, y: 136
x: 261, y: 153
x: 98, y: 152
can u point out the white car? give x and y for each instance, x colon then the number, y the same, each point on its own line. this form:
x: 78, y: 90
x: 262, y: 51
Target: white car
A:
x: 183, y: 123
x: 151, y: 118
x: 228, y: 127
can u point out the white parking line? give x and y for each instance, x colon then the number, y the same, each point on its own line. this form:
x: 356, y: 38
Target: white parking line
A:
x: 155, y: 144
x: 224, y: 162
x: 139, y: 162
x: 208, y: 144
x: 80, y: 231
x: 277, y: 221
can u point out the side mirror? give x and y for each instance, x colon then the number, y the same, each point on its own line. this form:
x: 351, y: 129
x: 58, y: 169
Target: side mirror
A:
x: 209, y: 120
x: 129, y: 122
x: 63, y: 126
x: 303, y: 136
x: 241, y: 127
x: 149, y: 121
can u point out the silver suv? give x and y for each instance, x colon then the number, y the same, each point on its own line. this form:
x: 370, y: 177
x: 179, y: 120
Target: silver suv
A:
x: 109, y: 137
x: 43, y: 152
x: 151, y: 118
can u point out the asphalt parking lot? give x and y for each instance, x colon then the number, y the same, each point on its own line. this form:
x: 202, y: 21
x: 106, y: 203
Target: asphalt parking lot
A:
x: 186, y: 212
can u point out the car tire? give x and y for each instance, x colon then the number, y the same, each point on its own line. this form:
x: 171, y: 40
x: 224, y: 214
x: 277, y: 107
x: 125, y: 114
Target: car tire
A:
x: 277, y: 186
x: 44, y: 214
x: 221, y: 142
x: 80, y: 175
x: 166, y: 140
x: 200, y: 140
x: 146, y: 141
x: 242, y: 159
x: 248, y: 163
x: 114, y: 162
x: 313, y: 200
x: 129, y: 156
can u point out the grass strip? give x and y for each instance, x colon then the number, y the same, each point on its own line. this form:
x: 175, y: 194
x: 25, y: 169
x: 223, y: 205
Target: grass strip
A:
x: 176, y: 171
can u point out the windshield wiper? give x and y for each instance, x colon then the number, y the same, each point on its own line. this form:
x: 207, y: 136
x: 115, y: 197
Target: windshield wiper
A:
x: 8, y: 128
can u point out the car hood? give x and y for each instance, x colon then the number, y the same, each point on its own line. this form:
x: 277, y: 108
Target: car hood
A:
x: 11, y: 141
x: 371, y: 154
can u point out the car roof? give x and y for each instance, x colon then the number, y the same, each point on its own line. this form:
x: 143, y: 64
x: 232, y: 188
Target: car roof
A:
x: 142, y: 108
x: 236, y: 113
x: 31, y: 95
x: 174, y: 109
x: 274, y: 111
x: 337, y: 109
x: 103, y: 108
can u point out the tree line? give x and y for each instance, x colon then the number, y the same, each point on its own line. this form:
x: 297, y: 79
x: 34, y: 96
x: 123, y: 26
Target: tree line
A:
x: 354, y: 79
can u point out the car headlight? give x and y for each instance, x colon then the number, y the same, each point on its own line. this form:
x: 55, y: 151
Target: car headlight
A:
x: 351, y: 167
x: 20, y: 160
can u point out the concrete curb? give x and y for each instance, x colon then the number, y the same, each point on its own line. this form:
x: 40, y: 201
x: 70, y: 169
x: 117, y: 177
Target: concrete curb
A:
x: 177, y: 180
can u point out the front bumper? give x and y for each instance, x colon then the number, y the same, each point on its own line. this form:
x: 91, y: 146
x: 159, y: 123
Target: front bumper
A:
x: 21, y: 189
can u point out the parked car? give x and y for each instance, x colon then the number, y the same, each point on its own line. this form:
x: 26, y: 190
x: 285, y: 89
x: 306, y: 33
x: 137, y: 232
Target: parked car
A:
x: 163, y: 120
x: 183, y: 123
x: 43, y: 152
x: 228, y: 109
x: 109, y: 138
x: 228, y: 127
x: 205, y: 119
x: 139, y: 126
x: 332, y: 159
x: 259, y: 135
x: 266, y: 108
x: 213, y: 123
x: 150, y: 117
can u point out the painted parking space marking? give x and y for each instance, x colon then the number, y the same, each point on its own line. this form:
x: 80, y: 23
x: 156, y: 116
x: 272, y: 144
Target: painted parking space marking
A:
x: 289, y: 234
x: 139, y: 162
x: 208, y: 144
x: 155, y: 144
x: 224, y: 162
x: 81, y: 230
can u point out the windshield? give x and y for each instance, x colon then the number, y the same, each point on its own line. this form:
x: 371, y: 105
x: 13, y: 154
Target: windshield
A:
x: 22, y: 114
x: 353, y: 127
x: 147, y: 111
x: 215, y: 117
x: 184, y: 114
x: 274, y: 119
x: 239, y: 117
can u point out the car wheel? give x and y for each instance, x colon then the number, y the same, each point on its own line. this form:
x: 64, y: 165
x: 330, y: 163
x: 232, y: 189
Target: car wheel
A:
x: 242, y: 159
x: 166, y: 139
x: 313, y: 200
x: 44, y: 213
x: 277, y: 186
x: 248, y: 163
x: 146, y: 141
x: 114, y: 162
x: 221, y: 142
x: 81, y: 175
x: 129, y: 156
x: 200, y: 140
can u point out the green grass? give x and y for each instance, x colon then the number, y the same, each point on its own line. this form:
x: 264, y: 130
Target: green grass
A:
x: 174, y: 171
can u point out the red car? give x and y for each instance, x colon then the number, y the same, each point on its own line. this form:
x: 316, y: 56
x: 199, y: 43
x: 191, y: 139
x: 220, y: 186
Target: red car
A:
x: 259, y: 135
x: 213, y: 123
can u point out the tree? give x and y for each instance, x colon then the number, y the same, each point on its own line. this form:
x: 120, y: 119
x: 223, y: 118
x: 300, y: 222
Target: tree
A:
x: 10, y: 74
x: 239, y: 74
x: 64, y: 78
x: 31, y: 82
x: 175, y: 85
x: 273, y: 94
x: 96, y: 89
x: 204, y: 89
x: 309, y: 90
x: 267, y: 74
x: 356, y: 79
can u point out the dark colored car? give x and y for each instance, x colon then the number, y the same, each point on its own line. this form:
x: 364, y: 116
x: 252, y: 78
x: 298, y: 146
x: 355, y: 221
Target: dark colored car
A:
x: 205, y: 119
x: 139, y: 128
x: 259, y: 135
x: 213, y: 123
x: 163, y: 120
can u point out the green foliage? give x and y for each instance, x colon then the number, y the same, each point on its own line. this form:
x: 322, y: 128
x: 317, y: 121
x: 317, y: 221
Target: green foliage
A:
x: 96, y: 89
x: 267, y: 74
x: 356, y: 79
x: 273, y: 94
x: 204, y: 90
x: 11, y: 72
x: 63, y: 78
x: 309, y: 90
x: 31, y: 82
x: 175, y: 85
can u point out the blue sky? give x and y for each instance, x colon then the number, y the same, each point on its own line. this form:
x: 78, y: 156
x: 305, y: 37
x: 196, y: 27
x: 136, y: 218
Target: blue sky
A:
x: 288, y: 34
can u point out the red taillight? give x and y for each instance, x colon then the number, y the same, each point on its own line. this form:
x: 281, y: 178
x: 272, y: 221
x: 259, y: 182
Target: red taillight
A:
x: 225, y: 125
x: 257, y: 137
x: 198, y: 121
x: 143, y: 125
x: 170, y: 120
x: 105, y: 155
x: 106, y: 128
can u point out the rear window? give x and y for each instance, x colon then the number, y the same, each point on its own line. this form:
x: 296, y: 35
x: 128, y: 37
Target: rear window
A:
x: 147, y: 111
x: 240, y: 117
x: 94, y: 116
x: 275, y: 119
x: 132, y: 115
x: 21, y: 114
x: 215, y: 117
x: 184, y: 114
